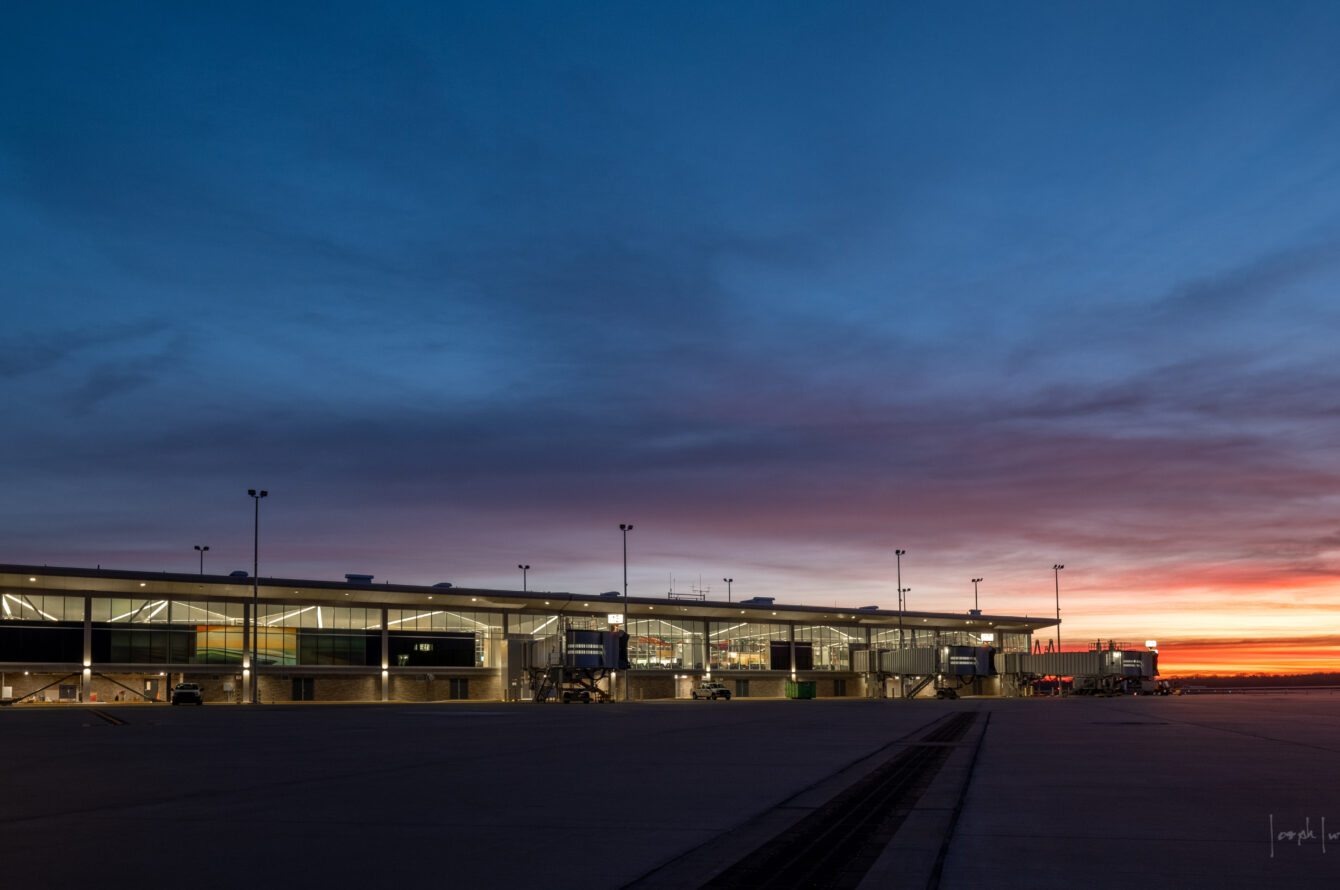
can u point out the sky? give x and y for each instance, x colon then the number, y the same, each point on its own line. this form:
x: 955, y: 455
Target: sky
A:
x: 787, y: 286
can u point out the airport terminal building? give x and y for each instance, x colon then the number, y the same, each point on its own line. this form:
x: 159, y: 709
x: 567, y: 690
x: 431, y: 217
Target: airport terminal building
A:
x: 69, y: 634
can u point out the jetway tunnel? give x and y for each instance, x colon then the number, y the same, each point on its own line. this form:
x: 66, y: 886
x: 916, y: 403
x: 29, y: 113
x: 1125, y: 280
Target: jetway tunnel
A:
x: 945, y: 671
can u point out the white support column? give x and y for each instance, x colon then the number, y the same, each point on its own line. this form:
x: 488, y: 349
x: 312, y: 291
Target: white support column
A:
x: 86, y: 678
x: 871, y: 666
x: 386, y: 658
x: 504, y: 681
x: 244, y: 694
x: 707, y: 649
x: 791, y: 632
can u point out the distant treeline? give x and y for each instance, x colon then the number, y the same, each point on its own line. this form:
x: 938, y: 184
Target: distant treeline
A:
x: 1329, y: 678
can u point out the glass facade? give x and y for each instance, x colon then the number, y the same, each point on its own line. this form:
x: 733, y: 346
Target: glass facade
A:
x: 36, y: 628
x: 912, y: 637
x: 131, y: 630
x: 960, y: 638
x: 671, y: 644
x: 35, y: 607
x: 293, y: 634
x: 829, y: 646
x: 744, y: 645
x: 533, y: 625
x: 543, y: 625
x: 442, y: 637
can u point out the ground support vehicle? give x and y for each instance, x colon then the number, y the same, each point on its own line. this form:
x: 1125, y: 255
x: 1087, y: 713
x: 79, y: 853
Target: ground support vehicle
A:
x: 187, y: 694
x: 711, y: 689
x: 568, y: 685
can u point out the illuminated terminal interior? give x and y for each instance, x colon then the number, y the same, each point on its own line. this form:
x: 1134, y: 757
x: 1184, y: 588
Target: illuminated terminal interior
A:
x: 92, y: 635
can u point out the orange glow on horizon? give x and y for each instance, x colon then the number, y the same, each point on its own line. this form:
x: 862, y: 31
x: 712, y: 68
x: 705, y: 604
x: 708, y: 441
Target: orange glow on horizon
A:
x: 1301, y: 655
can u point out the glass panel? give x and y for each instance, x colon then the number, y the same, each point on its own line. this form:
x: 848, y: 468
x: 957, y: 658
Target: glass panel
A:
x: 451, y: 637
x: 661, y: 643
x: 744, y: 645
x: 912, y: 637
x: 338, y: 647
x: 537, y: 625
x: 41, y: 641
x: 21, y: 606
x: 830, y: 645
x: 444, y: 620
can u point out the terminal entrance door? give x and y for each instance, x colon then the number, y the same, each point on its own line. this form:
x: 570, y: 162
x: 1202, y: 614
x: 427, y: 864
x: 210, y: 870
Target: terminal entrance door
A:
x: 151, y: 689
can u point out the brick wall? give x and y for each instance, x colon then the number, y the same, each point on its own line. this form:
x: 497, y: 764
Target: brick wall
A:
x: 437, y: 687
x: 325, y: 687
x: 658, y: 686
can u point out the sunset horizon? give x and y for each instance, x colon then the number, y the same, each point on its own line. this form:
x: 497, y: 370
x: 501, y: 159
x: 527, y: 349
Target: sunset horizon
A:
x: 789, y: 288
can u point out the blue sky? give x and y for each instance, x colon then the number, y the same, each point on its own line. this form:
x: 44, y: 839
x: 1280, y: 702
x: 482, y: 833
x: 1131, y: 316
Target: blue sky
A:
x: 785, y: 285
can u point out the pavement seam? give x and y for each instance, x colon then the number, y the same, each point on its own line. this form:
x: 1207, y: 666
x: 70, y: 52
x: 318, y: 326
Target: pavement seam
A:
x: 933, y: 883
x: 697, y: 865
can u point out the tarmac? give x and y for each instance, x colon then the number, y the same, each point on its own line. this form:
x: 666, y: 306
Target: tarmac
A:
x: 1183, y: 791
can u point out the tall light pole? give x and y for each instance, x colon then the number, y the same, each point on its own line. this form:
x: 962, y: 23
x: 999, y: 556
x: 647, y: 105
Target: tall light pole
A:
x: 255, y: 592
x: 1056, y: 575
x: 524, y: 570
x: 625, y: 527
x: 975, y: 582
x: 202, y: 557
x: 729, y: 582
x: 899, y: 554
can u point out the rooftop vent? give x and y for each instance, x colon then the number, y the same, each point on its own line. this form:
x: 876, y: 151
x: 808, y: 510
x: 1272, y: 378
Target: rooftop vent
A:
x: 358, y: 579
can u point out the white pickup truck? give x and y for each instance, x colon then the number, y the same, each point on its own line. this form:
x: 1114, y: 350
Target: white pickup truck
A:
x: 711, y: 689
x: 187, y: 693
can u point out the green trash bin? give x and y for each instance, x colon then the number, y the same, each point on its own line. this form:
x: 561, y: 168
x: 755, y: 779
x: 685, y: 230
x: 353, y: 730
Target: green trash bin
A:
x: 801, y: 688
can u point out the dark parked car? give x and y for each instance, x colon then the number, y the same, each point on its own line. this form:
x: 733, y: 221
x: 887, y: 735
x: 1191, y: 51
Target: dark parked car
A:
x: 187, y: 694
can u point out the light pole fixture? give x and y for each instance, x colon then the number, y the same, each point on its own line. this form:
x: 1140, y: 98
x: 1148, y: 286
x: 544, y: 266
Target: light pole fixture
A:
x: 202, y: 557
x: 975, y: 582
x: 729, y: 582
x: 524, y: 570
x: 1056, y: 575
x: 256, y: 592
x: 625, y: 527
x: 899, y: 555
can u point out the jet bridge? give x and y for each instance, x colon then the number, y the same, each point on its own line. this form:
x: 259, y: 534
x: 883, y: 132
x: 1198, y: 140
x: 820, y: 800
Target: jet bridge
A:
x: 946, y: 669
x: 1110, y: 669
x: 572, y: 666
